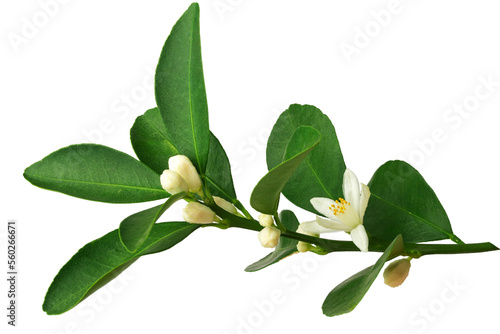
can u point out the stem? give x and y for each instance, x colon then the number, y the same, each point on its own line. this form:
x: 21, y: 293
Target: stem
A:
x: 330, y: 246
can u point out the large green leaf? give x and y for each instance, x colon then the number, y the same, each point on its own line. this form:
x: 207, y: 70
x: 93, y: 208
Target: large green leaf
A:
x: 401, y: 202
x: 135, y: 228
x: 286, y: 246
x: 97, y: 173
x: 321, y: 173
x: 180, y: 89
x: 265, y: 196
x: 150, y: 141
x: 101, y: 260
x: 347, y: 295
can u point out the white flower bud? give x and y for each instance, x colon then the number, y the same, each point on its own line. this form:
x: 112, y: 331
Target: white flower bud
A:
x: 197, y: 213
x: 184, y: 167
x: 396, y: 272
x: 269, y: 237
x: 266, y: 220
x: 173, y: 182
x: 222, y: 203
x: 303, y: 246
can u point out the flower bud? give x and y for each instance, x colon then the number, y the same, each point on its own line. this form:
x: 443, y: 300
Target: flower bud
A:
x: 184, y: 167
x: 197, y: 213
x: 396, y: 272
x: 266, y: 220
x: 222, y: 203
x: 303, y: 246
x: 172, y: 182
x: 269, y: 237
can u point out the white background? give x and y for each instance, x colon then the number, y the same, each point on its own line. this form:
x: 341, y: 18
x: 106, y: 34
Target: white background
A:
x: 70, y: 79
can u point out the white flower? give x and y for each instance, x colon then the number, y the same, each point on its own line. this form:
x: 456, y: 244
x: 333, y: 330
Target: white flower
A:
x: 197, y: 213
x: 269, y: 236
x: 222, y: 203
x: 343, y: 214
x: 184, y: 167
x: 266, y: 220
x: 173, y: 182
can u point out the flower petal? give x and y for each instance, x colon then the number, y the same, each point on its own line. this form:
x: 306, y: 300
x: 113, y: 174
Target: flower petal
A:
x: 360, y: 238
x: 322, y: 205
x: 332, y: 225
x: 350, y: 187
x: 363, y: 202
x: 314, y: 228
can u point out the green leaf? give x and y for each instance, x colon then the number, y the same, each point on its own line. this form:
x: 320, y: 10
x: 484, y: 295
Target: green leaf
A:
x: 101, y: 260
x: 135, y: 228
x: 150, y: 141
x: 321, y: 173
x: 180, y: 89
x: 96, y: 173
x: 286, y: 246
x: 218, y: 173
x: 347, y: 295
x: 401, y: 202
x: 265, y: 196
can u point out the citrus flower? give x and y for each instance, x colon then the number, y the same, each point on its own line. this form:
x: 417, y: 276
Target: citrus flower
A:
x: 345, y: 214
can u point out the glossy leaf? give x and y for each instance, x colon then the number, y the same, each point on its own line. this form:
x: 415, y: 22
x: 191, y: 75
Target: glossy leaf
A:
x: 266, y: 194
x: 286, y: 246
x: 101, y: 260
x: 218, y: 173
x: 401, y: 202
x: 321, y: 173
x: 180, y: 89
x: 96, y: 173
x: 135, y: 228
x: 150, y: 141
x: 347, y: 295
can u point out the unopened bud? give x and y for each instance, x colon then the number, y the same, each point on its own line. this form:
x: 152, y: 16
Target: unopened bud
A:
x: 396, y: 272
x: 269, y: 237
x: 266, y: 220
x: 222, y: 203
x: 197, y: 213
x: 303, y: 246
x: 172, y: 182
x: 184, y: 167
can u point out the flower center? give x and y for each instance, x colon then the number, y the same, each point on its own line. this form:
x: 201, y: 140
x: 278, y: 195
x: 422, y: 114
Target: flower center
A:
x: 339, y: 206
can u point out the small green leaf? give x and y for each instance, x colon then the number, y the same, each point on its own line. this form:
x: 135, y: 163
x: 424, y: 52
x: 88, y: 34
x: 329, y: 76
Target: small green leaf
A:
x: 266, y: 194
x: 96, y: 173
x: 218, y: 173
x: 135, y: 228
x: 149, y: 140
x: 321, y: 173
x: 347, y: 295
x: 101, y: 260
x: 180, y: 89
x: 401, y: 202
x: 286, y: 246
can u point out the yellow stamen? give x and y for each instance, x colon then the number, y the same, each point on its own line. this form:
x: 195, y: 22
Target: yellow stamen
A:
x: 339, y: 206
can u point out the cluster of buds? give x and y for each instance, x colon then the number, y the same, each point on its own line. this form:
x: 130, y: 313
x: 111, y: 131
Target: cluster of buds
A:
x: 269, y: 236
x: 182, y: 176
